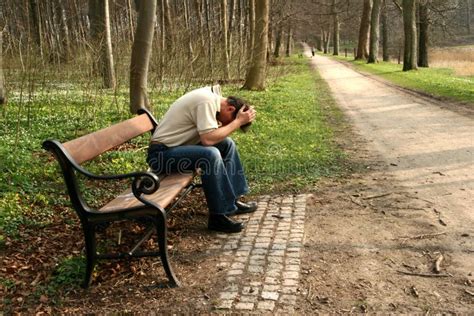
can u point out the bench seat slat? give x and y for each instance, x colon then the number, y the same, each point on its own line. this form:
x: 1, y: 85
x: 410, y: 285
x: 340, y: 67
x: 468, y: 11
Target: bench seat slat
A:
x: 170, y: 187
x: 90, y: 146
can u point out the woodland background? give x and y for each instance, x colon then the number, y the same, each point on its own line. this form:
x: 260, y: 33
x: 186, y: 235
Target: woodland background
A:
x: 49, y: 45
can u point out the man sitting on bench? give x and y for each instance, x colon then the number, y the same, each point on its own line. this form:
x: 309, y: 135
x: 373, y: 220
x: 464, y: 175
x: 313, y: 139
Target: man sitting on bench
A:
x: 194, y: 134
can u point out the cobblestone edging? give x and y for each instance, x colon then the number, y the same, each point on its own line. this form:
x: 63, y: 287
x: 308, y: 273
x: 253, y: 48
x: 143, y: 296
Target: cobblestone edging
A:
x: 263, y: 262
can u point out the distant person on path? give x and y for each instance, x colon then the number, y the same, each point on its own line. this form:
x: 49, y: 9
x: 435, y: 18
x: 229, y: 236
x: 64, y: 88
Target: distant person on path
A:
x: 312, y: 52
x: 194, y: 133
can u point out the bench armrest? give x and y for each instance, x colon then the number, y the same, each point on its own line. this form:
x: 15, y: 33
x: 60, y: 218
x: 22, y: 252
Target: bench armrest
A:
x: 143, y: 182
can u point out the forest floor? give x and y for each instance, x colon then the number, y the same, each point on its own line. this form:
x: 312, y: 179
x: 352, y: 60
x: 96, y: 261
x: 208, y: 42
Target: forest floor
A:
x: 394, y: 235
x: 398, y: 235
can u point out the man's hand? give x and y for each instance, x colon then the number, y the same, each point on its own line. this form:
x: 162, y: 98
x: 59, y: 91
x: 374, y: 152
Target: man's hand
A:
x: 246, y: 115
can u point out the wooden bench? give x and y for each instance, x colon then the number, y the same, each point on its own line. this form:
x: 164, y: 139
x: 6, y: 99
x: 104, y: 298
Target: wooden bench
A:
x: 149, y: 198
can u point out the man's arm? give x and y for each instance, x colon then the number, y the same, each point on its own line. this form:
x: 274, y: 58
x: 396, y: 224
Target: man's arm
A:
x: 219, y: 134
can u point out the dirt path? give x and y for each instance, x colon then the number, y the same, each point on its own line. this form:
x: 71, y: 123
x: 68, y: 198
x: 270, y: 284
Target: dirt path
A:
x: 410, y: 206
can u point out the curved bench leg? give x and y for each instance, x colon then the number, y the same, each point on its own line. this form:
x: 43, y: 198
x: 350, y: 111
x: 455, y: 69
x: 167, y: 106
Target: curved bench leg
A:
x: 89, y: 235
x: 161, y: 231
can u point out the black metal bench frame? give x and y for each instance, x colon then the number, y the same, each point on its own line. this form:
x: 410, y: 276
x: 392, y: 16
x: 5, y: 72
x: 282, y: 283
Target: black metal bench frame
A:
x: 143, y: 183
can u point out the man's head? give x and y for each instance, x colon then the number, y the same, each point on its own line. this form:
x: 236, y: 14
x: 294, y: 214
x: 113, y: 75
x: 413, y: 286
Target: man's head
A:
x: 230, y: 106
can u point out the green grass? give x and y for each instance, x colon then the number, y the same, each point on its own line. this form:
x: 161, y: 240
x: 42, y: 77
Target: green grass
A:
x: 435, y: 81
x: 290, y: 145
x: 287, y: 149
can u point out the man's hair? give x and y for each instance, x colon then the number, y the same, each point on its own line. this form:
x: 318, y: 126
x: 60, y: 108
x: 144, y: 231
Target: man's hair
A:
x: 237, y: 103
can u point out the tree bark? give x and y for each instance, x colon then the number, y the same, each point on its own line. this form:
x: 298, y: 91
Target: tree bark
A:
x: 251, y: 35
x: 409, y: 26
x: 141, y: 52
x: 256, y: 75
x: 101, y: 36
x: 162, y: 40
x: 327, y: 42
x: 169, y: 34
x: 278, y: 40
x: 49, y: 29
x: 189, y: 36
x: 230, y: 29
x: 374, y: 32
x: 81, y: 35
x: 65, y: 42
x: 385, y: 53
x: 325, y: 35
x: 130, y: 20
x: 210, y: 44
x: 108, y: 58
x: 270, y: 35
x: 199, y: 12
x: 35, y: 26
x: 241, y: 18
x: 362, y: 51
x: 468, y: 13
x: 289, y: 39
x: 335, y: 34
x: 320, y: 41
x: 423, y: 41
x: 224, y: 38
x: 323, y: 41
x: 3, y: 98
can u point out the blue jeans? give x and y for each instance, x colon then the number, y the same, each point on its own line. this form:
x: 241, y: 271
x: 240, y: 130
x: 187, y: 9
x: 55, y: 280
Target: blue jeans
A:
x: 223, y: 178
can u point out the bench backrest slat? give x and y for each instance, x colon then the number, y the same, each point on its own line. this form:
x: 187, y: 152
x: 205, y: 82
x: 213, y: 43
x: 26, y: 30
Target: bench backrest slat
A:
x: 90, y: 146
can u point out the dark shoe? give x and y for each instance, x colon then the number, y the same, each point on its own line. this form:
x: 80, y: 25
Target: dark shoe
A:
x: 222, y: 223
x: 243, y: 208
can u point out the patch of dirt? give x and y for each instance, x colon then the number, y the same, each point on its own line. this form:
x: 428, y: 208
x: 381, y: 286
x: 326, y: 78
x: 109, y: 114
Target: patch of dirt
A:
x: 29, y: 264
x: 366, y: 234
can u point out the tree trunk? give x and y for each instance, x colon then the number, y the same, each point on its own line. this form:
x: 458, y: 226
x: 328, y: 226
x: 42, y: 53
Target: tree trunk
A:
x: 386, y: 56
x: 256, y: 75
x: 189, y: 36
x: 49, y: 29
x: 409, y: 25
x: 251, y: 38
x: 81, y: 35
x: 3, y: 98
x: 231, y: 27
x: 141, y: 52
x: 374, y: 32
x: 335, y: 34
x: 424, y: 35
x: 362, y: 51
x: 100, y: 33
x: 224, y: 38
x: 169, y: 34
x: 325, y: 35
x: 199, y: 12
x: 278, y: 39
x: 130, y: 19
x: 320, y: 41
x: 240, y: 33
x: 35, y: 27
x: 270, y: 36
x: 323, y: 41
x: 468, y: 13
x: 64, y: 38
x: 210, y: 44
x: 107, y: 55
x: 162, y: 40
x: 289, y: 39
x: 327, y: 42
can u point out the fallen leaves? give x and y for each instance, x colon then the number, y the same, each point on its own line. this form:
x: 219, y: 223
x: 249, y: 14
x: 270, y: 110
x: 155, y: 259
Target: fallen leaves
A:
x: 29, y: 261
